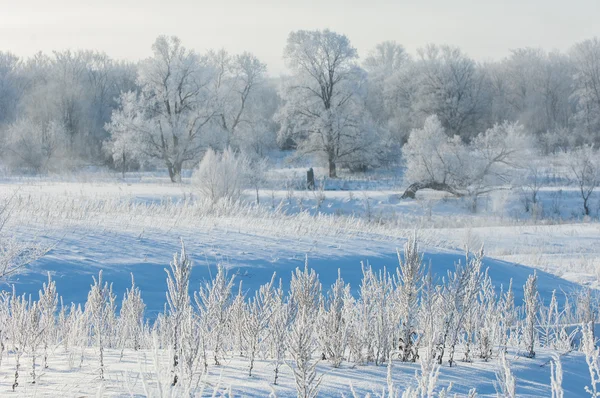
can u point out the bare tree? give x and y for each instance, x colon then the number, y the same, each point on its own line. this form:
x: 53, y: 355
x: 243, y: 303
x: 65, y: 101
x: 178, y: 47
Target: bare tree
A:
x: 584, y: 165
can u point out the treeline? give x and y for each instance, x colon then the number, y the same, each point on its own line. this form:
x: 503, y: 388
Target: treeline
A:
x: 75, y: 108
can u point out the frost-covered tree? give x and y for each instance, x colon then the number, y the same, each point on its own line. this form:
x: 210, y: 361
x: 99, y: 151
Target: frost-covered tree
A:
x: 20, y: 332
x: 166, y: 120
x: 47, y: 304
x: 237, y: 79
x: 9, y: 87
x: 386, y: 66
x: 436, y: 161
x: 322, y: 112
x: 376, y: 292
x: 556, y: 377
x: 131, y: 318
x: 458, y: 297
x: 592, y: 358
x: 586, y: 60
x: 531, y: 301
x: 305, y: 299
x: 334, y: 324
x: 256, y: 320
x: 301, y: 346
x: 100, y: 310
x: 584, y: 167
x: 486, y: 318
x: 279, y: 324
x: 408, y: 285
x: 505, y: 380
x: 179, y: 306
x: 535, y: 88
x: 451, y: 86
x: 213, y: 301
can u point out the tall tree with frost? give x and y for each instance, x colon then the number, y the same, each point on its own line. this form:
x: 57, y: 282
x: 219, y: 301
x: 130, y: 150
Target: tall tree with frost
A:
x: 214, y: 301
x: 376, y: 293
x: 165, y: 121
x: 131, y: 318
x: 586, y: 57
x: 47, y: 305
x: 20, y: 321
x: 178, y: 301
x: 584, y: 165
x: 301, y: 349
x: 333, y: 328
x: 409, y: 276
x: 237, y: 79
x: 531, y: 301
x: 322, y: 112
x: 505, y: 380
x: 279, y: 324
x: 256, y: 320
x: 556, y: 377
x: 451, y: 86
x: 592, y: 358
x: 100, y: 309
x: 458, y: 296
x: 305, y: 299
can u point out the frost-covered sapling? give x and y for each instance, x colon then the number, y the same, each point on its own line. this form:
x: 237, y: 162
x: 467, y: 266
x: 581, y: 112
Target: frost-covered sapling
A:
x: 279, y: 324
x: 47, y: 304
x: 256, y: 317
x: 305, y: 299
x: 333, y: 322
x: 214, y: 301
x: 592, y: 357
x: 100, y: 310
x: 505, y: 380
x: 131, y: 318
x: 20, y: 331
x: 408, y: 286
x: 531, y: 300
x: 179, y: 307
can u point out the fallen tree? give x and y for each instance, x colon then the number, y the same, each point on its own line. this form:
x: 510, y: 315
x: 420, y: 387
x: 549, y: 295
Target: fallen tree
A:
x: 437, y: 161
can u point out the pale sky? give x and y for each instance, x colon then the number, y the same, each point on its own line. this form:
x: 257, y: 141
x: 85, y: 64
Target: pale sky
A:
x: 484, y: 29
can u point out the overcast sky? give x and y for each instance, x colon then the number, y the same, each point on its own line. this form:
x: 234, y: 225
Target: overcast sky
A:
x: 485, y: 29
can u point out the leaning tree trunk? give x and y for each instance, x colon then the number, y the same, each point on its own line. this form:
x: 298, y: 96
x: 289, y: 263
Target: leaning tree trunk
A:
x: 437, y: 186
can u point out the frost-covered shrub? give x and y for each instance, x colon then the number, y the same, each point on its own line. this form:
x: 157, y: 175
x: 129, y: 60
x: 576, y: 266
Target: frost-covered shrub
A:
x: 220, y: 176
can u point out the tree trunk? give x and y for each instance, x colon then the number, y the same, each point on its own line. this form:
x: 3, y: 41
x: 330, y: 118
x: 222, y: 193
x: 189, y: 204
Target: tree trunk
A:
x: 437, y: 186
x: 123, y: 165
x: 586, y: 208
x: 332, y: 171
x: 174, y: 171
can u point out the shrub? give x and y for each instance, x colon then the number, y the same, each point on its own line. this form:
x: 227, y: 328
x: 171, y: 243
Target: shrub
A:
x: 220, y: 176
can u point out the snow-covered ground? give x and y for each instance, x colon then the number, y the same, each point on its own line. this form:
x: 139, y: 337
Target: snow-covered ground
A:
x: 137, y: 373
x: 135, y: 227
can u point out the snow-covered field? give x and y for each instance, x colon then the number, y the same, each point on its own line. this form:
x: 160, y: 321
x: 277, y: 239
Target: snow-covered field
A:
x: 135, y: 227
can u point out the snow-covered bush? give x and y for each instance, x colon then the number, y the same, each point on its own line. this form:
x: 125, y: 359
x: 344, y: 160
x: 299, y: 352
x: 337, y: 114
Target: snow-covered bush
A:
x: 221, y: 176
